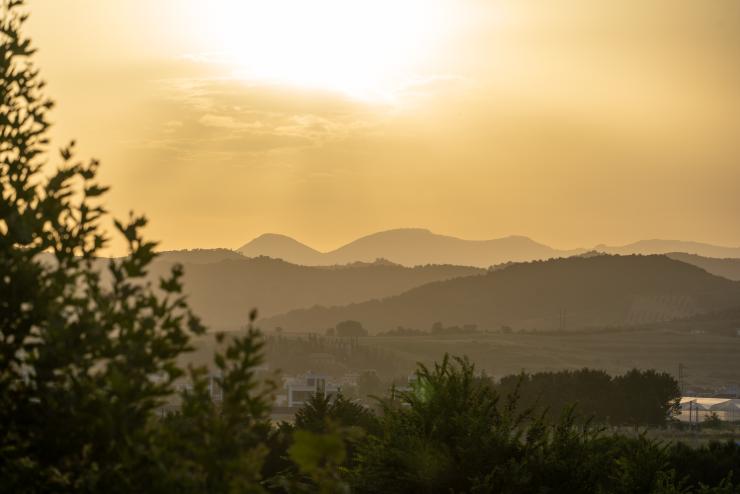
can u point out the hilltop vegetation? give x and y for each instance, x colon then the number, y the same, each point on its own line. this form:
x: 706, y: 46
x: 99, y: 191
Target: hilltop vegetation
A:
x: 223, y: 286
x: 576, y: 292
x: 224, y: 292
x: 727, y: 268
x: 198, y: 256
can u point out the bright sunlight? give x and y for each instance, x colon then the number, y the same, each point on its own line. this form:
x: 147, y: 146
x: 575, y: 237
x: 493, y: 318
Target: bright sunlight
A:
x: 366, y: 49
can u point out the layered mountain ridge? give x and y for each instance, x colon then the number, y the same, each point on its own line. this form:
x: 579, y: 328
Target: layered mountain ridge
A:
x: 575, y: 292
x: 417, y: 246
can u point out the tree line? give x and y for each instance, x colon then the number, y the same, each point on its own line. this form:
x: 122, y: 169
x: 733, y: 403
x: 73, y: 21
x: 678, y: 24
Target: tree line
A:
x: 646, y: 398
x: 86, y: 367
x: 454, y: 432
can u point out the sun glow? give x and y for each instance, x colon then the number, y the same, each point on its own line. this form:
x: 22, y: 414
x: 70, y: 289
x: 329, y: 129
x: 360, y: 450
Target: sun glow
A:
x: 364, y: 48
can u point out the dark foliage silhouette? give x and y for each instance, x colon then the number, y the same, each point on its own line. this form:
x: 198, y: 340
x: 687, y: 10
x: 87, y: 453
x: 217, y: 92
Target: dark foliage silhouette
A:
x: 635, y: 398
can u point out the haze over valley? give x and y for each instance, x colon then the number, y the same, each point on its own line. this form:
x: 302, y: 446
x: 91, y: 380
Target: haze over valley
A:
x: 414, y: 278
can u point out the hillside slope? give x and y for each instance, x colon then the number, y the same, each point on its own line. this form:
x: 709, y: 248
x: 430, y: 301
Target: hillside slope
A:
x: 281, y: 247
x: 224, y: 292
x: 591, y: 292
x: 198, y: 256
x: 727, y: 268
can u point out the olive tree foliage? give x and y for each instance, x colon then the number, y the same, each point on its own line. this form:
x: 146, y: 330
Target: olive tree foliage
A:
x: 85, y: 363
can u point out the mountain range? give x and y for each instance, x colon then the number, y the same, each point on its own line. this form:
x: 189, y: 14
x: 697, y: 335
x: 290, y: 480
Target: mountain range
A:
x: 658, y: 246
x: 727, y: 268
x: 408, y: 247
x: 575, y: 292
x: 223, y: 291
x: 224, y: 285
x: 414, y: 246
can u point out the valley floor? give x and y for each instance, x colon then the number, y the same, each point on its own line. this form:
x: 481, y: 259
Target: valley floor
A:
x: 710, y: 361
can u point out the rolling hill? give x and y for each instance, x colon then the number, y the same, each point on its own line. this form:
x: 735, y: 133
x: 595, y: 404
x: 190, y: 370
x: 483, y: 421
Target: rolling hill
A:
x: 592, y: 291
x: 282, y: 247
x: 727, y: 268
x: 198, y: 256
x: 224, y: 292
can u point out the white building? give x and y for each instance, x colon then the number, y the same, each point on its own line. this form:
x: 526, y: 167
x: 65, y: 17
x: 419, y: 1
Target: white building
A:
x: 696, y: 409
x: 300, y: 388
x: 214, y: 386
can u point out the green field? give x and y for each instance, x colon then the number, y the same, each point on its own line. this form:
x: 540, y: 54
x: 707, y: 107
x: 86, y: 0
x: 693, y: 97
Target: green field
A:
x: 710, y: 360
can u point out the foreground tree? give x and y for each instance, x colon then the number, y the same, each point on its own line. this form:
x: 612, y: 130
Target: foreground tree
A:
x: 84, y: 364
x: 453, y: 433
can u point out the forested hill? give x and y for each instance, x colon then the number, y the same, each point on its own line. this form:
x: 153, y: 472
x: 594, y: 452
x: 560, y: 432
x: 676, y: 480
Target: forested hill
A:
x: 224, y: 292
x: 727, y: 268
x: 198, y: 256
x: 574, y: 292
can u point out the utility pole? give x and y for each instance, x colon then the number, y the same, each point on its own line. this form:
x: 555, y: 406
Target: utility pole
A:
x: 565, y: 319
x: 682, y: 378
x: 562, y: 319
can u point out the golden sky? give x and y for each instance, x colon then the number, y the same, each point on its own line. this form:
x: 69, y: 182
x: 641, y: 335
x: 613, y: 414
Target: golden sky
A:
x: 575, y: 122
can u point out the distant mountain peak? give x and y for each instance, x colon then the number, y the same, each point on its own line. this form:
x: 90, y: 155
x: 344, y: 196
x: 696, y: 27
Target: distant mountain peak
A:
x: 407, y: 247
x: 280, y: 246
x: 270, y: 237
x: 420, y: 246
x: 593, y: 253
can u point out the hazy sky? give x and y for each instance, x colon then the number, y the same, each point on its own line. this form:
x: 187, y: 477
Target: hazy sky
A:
x: 574, y: 122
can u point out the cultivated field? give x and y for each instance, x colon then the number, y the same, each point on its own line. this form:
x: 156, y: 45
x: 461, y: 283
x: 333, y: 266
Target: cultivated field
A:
x: 710, y: 360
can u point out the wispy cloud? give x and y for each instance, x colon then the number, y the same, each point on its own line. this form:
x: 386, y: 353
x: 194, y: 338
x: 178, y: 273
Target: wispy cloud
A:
x: 235, y: 118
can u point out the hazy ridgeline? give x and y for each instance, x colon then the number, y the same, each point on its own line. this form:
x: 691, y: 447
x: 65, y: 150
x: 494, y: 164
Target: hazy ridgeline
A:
x: 224, y: 286
x: 224, y: 292
x: 577, y: 292
x: 91, y: 353
x: 416, y: 246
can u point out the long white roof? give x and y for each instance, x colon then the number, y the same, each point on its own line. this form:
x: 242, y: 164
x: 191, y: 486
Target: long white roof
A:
x: 713, y: 404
